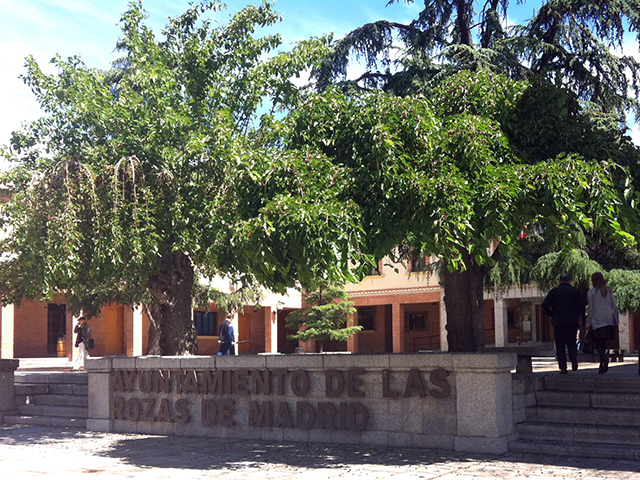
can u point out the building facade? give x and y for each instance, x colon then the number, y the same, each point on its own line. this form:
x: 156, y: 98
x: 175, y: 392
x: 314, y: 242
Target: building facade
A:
x: 400, y: 308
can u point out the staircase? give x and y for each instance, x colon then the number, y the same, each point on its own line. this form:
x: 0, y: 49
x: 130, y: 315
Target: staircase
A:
x: 56, y: 399
x: 583, y: 417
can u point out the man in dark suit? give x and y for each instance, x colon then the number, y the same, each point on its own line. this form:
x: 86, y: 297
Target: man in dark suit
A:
x: 565, y: 305
x: 226, y: 336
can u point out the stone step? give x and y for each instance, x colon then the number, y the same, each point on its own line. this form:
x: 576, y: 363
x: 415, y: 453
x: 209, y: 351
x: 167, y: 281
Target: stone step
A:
x: 578, y: 434
x: 45, y: 421
x: 24, y: 389
x: 54, y: 411
x: 600, y: 384
x: 51, y: 388
x: 52, y: 378
x: 585, y: 416
x: 69, y: 389
x: 554, y: 398
x: 614, y: 452
x: 60, y: 400
x: 54, y: 400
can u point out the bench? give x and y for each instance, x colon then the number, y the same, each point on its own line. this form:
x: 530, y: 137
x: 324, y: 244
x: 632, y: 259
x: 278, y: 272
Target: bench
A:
x: 525, y: 354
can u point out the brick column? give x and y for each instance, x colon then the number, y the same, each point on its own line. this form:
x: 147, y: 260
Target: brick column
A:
x: 398, y: 328
x: 352, y: 342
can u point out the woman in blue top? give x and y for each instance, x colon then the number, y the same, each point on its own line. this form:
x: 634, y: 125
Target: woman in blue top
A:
x: 603, y: 317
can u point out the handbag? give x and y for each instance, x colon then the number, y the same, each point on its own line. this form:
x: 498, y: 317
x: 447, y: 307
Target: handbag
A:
x: 587, y: 344
x: 90, y: 344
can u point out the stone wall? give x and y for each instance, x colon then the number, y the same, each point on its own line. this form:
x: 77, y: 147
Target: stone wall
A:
x: 7, y: 392
x: 452, y: 401
x: 524, y: 388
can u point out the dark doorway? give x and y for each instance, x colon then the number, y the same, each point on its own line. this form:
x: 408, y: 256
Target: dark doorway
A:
x: 388, y: 328
x: 285, y: 344
x: 57, y: 326
x: 543, y: 327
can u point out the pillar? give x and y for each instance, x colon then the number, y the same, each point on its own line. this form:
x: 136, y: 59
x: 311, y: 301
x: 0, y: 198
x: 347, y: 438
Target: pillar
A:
x: 133, y: 330
x: 398, y: 328
x: 352, y: 342
x: 484, y: 398
x: 444, y: 341
x: 502, y: 324
x: 6, y: 332
x: 72, y: 350
x: 624, y: 332
x: 270, y: 330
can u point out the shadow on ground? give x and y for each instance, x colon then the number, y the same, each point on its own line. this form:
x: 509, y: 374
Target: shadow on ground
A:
x: 241, y: 454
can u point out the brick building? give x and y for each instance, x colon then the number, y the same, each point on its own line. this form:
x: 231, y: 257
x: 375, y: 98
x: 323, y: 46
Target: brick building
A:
x: 400, y: 309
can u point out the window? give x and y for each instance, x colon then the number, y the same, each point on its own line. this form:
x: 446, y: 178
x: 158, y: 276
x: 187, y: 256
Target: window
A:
x: 416, y: 321
x: 419, y: 264
x: 366, y: 318
x: 206, y: 323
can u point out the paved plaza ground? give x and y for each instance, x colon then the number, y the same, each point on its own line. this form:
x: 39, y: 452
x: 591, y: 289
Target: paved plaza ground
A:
x: 31, y: 452
x: 47, y: 453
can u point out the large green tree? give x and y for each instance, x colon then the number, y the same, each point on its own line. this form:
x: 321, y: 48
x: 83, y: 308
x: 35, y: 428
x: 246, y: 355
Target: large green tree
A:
x: 129, y: 189
x: 442, y: 176
x: 580, y: 92
x: 568, y: 41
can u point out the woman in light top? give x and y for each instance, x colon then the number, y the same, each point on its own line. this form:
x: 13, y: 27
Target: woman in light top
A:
x: 603, y: 317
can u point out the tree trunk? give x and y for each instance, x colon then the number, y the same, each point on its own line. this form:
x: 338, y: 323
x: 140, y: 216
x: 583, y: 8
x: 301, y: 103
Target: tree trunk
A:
x: 463, y: 299
x: 172, y: 331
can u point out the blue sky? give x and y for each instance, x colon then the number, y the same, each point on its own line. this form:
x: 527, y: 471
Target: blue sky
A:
x: 90, y: 28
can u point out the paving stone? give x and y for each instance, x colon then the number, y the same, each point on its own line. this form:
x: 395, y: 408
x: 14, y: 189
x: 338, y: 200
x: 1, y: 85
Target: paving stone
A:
x: 54, y: 452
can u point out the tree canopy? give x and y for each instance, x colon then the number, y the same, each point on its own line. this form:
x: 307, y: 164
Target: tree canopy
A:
x: 129, y: 189
x: 566, y: 41
x: 143, y: 178
x: 443, y: 176
x: 566, y: 113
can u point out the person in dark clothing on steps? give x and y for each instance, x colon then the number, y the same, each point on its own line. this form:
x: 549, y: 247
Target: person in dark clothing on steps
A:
x: 565, y: 305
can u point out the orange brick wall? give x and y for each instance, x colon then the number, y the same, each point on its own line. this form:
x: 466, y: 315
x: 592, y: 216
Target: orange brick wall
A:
x: 30, y: 330
x: 373, y: 341
x: 433, y: 326
x: 405, y: 302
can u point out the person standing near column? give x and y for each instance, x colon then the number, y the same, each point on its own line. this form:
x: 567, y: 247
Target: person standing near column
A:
x: 565, y: 305
x: 603, y: 317
x: 84, y: 342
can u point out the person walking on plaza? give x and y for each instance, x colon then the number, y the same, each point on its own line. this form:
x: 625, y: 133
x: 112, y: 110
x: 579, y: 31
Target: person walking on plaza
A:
x: 603, y: 317
x: 84, y: 342
x: 565, y: 305
x: 226, y: 336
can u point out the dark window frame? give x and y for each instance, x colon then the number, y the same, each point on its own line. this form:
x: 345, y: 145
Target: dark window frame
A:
x: 419, y: 264
x: 206, y: 323
x: 368, y: 323
x: 416, y: 321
